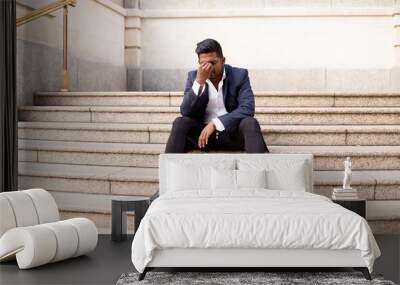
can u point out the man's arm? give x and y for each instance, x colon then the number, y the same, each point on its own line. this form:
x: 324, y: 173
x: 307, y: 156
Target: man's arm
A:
x: 197, y: 88
x: 191, y: 101
x: 246, y: 105
x: 194, y: 98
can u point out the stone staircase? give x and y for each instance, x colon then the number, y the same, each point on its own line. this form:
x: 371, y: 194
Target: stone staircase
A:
x: 86, y: 147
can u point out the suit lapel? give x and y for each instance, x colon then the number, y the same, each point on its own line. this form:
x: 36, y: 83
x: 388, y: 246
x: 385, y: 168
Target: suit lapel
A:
x: 204, y: 97
x: 206, y: 91
x: 225, y: 85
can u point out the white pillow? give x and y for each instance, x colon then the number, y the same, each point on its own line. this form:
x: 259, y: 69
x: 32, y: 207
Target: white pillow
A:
x: 223, y: 179
x: 282, y: 174
x: 190, y: 177
x: 251, y: 178
x: 184, y: 174
x: 227, y: 179
x: 294, y: 180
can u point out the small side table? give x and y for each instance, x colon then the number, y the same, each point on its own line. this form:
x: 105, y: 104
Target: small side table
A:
x: 119, y: 207
x: 357, y: 206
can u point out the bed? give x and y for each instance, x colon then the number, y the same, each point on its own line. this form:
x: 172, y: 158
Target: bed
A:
x: 247, y: 210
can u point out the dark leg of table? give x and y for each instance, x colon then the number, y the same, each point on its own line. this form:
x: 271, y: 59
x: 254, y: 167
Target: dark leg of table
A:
x: 118, y: 231
x: 140, y: 211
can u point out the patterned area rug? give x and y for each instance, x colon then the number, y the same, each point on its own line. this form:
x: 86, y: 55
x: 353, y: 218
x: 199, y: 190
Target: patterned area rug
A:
x: 243, y: 278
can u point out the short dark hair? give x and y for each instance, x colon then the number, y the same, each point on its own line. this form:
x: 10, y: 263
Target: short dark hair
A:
x: 209, y: 45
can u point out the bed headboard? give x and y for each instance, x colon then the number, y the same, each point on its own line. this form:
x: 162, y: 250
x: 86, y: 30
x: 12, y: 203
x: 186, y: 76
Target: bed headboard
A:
x: 210, y: 158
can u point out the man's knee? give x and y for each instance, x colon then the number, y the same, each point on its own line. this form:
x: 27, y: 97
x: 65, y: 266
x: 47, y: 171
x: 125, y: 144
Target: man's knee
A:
x: 182, y: 122
x: 249, y: 124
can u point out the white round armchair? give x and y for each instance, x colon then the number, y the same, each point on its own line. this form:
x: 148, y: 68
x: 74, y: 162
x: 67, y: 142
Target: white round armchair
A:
x: 31, y: 230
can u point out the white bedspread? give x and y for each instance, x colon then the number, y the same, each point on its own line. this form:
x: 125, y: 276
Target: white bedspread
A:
x: 250, y: 219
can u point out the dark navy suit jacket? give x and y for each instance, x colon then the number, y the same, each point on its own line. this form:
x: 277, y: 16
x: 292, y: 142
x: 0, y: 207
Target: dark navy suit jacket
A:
x: 237, y: 94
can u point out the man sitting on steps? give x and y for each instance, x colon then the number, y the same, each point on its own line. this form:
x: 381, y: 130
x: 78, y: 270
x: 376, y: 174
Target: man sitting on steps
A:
x: 217, y: 108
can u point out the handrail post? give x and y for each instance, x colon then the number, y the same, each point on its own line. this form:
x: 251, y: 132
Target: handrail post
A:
x: 65, y: 50
x: 59, y: 4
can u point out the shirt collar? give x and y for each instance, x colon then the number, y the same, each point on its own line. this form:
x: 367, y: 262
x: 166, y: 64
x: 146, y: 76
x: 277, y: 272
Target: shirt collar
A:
x: 222, y: 80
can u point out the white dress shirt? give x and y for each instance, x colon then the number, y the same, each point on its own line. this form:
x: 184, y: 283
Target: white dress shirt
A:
x: 215, y: 106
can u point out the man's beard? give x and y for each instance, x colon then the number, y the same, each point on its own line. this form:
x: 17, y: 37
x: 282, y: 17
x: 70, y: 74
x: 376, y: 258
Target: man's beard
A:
x: 213, y: 76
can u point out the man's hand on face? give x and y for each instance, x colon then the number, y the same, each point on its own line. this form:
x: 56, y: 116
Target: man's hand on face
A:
x: 205, y: 134
x: 203, y: 72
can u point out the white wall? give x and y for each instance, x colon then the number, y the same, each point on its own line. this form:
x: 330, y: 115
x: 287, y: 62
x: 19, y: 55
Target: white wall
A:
x: 272, y: 42
x: 287, y: 45
x: 318, y: 45
x: 96, y: 48
x: 96, y: 31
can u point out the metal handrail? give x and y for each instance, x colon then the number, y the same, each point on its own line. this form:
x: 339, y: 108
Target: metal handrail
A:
x: 61, y: 4
x: 44, y: 11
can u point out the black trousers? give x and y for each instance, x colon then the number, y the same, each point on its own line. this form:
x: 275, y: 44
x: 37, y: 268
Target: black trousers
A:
x: 246, y: 137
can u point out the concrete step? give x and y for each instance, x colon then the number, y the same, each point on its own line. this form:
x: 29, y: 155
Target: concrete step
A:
x: 103, y: 222
x: 265, y: 115
x: 146, y: 155
x: 107, y: 181
x: 370, y: 184
x: 263, y: 99
x: 158, y: 133
x: 102, y: 180
x: 82, y: 202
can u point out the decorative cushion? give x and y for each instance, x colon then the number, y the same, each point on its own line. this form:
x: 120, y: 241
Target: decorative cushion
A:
x: 283, y: 174
x: 187, y: 175
x: 226, y: 179
x: 223, y: 179
x: 272, y: 162
x: 251, y: 178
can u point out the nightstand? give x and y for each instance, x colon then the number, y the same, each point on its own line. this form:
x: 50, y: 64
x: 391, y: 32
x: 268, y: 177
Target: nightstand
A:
x: 119, y: 207
x: 357, y: 206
